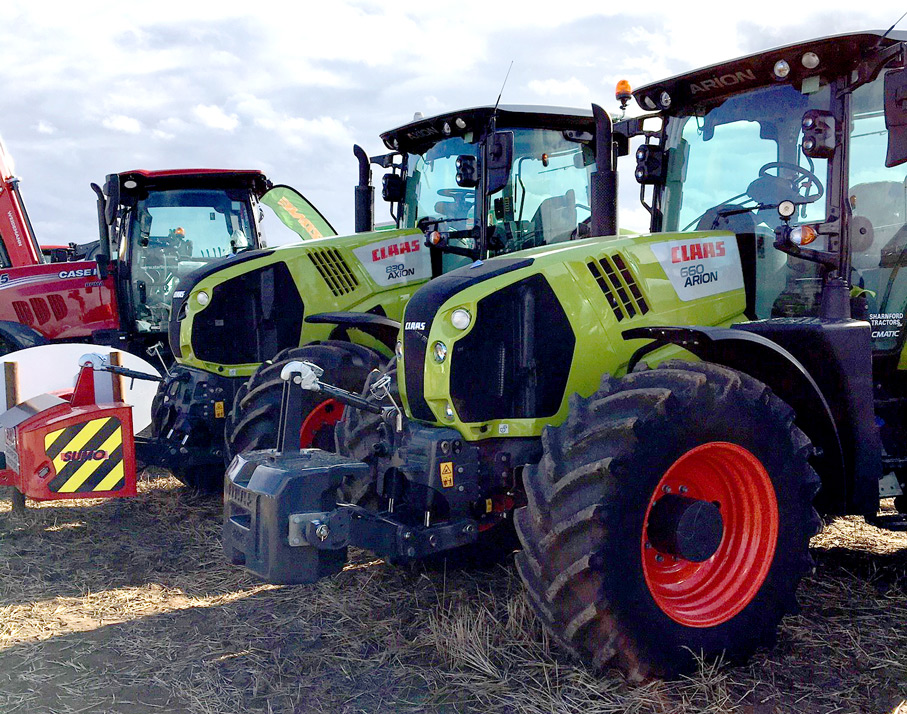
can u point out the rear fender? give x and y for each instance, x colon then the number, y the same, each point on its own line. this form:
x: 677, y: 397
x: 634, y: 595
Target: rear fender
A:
x: 771, y: 364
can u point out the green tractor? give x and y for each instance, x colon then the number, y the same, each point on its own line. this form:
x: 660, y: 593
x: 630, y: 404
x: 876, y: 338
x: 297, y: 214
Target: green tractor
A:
x: 660, y: 415
x: 338, y: 301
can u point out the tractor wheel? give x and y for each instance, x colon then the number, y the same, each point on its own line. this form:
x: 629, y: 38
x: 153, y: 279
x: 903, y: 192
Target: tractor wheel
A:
x: 669, y: 518
x: 204, y: 478
x: 357, y: 435
x: 900, y: 503
x: 253, y: 421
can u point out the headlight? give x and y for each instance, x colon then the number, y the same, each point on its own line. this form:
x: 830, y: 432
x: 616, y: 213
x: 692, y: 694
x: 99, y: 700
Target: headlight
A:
x: 440, y: 351
x: 202, y: 297
x: 460, y: 318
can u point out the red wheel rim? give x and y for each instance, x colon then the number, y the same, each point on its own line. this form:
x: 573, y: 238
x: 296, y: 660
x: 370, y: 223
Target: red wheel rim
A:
x: 714, y: 591
x: 328, y: 413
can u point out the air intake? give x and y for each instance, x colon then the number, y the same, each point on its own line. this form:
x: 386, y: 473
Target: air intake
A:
x: 334, y: 270
x: 619, y: 286
x: 23, y: 312
x: 58, y: 305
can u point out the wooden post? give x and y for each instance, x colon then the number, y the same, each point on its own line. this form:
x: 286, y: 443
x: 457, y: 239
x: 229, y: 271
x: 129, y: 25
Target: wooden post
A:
x: 11, y: 397
x: 116, y: 360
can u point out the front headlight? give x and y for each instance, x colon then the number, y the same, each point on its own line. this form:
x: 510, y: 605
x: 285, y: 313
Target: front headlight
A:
x: 202, y: 297
x: 460, y: 318
x: 439, y: 350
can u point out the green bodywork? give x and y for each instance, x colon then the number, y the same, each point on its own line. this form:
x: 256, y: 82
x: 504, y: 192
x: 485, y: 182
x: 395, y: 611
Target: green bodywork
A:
x: 599, y: 346
x: 314, y: 269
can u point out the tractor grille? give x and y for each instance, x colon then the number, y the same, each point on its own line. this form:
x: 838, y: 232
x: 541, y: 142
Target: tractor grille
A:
x: 619, y: 286
x: 334, y: 270
x: 23, y: 312
x: 42, y: 312
x: 57, y: 306
x: 515, y: 361
x: 250, y: 318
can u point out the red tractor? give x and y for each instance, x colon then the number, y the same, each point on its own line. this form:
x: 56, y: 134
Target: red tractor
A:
x: 155, y: 228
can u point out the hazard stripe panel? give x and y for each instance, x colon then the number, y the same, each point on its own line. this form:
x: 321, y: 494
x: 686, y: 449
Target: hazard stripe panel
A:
x: 87, y: 457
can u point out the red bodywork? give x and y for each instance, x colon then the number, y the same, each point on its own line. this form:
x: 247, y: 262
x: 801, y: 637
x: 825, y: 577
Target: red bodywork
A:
x: 62, y: 301
x: 15, y: 228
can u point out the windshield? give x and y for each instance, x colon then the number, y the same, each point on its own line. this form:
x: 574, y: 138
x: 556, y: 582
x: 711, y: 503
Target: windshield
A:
x: 174, y: 232
x: 730, y: 167
x: 545, y: 200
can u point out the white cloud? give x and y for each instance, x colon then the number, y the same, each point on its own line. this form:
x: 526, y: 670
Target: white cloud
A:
x: 559, y: 87
x: 45, y: 127
x: 120, y: 122
x: 216, y: 118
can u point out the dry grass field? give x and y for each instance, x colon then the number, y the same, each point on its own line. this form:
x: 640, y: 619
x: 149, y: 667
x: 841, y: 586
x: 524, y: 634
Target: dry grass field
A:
x: 128, y: 606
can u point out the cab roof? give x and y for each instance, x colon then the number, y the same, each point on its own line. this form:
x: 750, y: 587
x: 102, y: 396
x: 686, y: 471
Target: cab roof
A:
x: 836, y: 55
x: 428, y: 130
x: 197, y: 178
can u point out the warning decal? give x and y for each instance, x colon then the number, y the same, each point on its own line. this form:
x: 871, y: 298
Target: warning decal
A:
x: 396, y: 261
x: 87, y: 457
x: 700, y: 267
x: 447, y: 474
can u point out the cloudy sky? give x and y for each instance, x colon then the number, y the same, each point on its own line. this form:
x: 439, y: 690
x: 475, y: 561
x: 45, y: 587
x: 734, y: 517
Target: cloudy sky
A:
x: 100, y: 87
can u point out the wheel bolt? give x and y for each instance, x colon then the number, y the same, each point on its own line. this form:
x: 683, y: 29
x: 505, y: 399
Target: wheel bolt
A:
x: 684, y: 489
x: 659, y: 558
x: 666, y: 489
x: 648, y: 545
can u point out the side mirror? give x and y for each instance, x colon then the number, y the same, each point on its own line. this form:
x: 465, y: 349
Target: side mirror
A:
x: 103, y: 262
x: 499, y: 159
x: 393, y: 188
x: 818, y: 134
x: 651, y: 164
x: 896, y: 117
x: 112, y: 189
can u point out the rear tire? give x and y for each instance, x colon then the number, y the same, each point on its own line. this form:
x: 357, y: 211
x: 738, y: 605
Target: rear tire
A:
x: 588, y: 563
x: 253, y: 421
x: 204, y: 478
x: 356, y: 435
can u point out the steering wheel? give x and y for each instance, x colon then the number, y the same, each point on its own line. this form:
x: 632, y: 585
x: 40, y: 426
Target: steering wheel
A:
x: 803, y: 179
x: 463, y: 200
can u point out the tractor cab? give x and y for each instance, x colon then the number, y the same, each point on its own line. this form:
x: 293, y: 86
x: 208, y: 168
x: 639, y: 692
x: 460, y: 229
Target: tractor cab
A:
x: 164, y: 232
x: 790, y: 150
x: 491, y: 180
x: 159, y: 226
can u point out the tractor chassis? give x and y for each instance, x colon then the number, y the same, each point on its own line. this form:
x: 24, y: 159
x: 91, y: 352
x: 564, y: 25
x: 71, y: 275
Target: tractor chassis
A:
x: 188, y: 420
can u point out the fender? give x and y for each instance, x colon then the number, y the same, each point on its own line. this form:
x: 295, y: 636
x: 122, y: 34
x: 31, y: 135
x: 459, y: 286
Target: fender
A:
x: 20, y: 336
x: 784, y: 374
x: 382, y: 328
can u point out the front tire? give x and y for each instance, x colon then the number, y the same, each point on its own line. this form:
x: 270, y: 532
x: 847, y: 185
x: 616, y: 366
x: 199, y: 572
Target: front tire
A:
x: 253, y: 421
x: 596, y: 564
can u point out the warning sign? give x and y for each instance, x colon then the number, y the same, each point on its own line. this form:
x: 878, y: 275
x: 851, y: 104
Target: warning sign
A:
x: 447, y: 474
x: 218, y: 410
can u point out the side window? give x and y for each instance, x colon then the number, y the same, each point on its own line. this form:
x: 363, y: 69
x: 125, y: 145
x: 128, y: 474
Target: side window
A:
x: 878, y: 201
